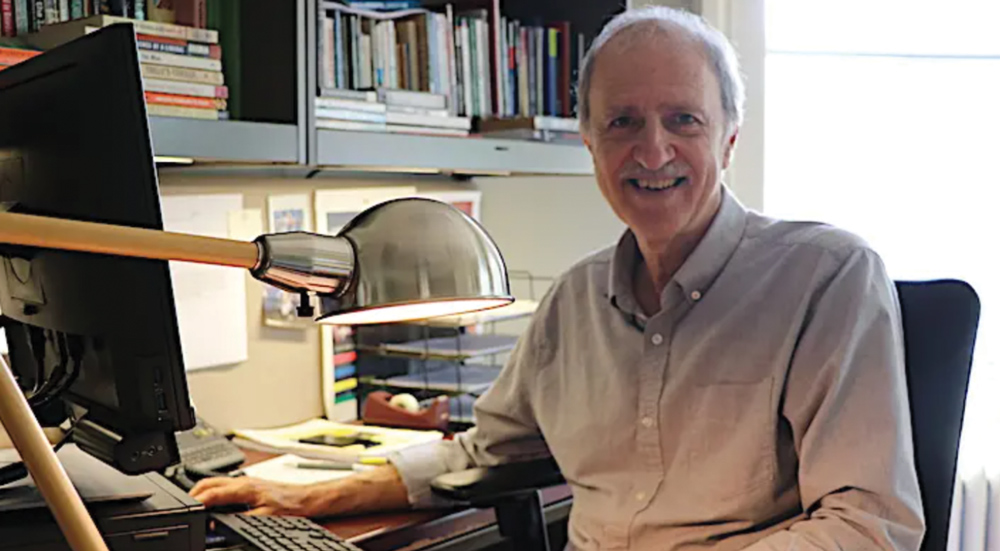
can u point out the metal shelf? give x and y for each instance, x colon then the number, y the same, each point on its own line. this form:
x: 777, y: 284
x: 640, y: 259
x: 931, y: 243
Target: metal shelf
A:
x: 227, y: 141
x: 417, y: 153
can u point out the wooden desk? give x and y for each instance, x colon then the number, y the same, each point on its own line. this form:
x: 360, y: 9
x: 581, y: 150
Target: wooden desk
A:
x: 425, y: 530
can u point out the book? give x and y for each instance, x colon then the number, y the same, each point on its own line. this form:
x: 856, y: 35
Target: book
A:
x: 7, y: 25
x: 185, y: 61
x: 380, y: 441
x: 182, y: 74
x: 177, y: 46
x: 185, y: 88
x: 185, y: 101
x: 410, y: 119
x: 350, y: 115
x: 412, y: 98
x: 158, y: 110
x: 50, y: 36
x: 357, y: 95
x: 13, y: 56
x: 354, y: 105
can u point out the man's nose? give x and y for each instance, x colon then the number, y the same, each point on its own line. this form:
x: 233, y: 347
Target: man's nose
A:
x: 654, y: 148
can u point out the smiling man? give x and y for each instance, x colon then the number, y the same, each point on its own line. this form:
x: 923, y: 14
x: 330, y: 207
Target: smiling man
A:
x: 717, y: 379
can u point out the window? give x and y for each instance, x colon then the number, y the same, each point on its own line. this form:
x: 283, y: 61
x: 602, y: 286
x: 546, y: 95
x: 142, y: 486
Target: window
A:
x: 883, y: 117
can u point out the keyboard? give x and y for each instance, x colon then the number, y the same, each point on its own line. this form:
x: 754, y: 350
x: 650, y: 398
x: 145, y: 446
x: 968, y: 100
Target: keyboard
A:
x: 277, y: 533
x: 218, y: 455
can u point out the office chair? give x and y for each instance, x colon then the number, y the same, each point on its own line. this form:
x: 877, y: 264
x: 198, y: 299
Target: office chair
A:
x: 939, y: 330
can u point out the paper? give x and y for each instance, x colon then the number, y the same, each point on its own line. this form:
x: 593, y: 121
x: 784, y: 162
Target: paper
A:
x: 245, y: 225
x: 283, y: 469
x: 287, y: 440
x: 210, y: 300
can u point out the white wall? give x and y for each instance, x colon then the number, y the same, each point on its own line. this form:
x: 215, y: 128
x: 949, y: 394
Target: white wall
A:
x: 541, y: 224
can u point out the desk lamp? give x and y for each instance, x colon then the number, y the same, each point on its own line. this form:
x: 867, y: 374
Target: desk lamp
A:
x: 402, y: 260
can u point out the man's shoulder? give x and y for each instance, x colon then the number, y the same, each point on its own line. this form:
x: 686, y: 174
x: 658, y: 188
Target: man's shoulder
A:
x: 589, y: 272
x: 767, y: 232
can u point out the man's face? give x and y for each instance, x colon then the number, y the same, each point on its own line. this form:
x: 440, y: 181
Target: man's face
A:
x: 657, y: 134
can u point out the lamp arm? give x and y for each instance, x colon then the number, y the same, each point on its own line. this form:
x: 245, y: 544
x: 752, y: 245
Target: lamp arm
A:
x: 57, y: 233
x: 296, y: 261
x: 51, y: 479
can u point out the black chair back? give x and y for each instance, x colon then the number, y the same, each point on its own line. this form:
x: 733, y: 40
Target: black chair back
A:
x: 939, y: 329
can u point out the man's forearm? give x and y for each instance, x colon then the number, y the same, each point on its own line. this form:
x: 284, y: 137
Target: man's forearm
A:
x: 379, y: 489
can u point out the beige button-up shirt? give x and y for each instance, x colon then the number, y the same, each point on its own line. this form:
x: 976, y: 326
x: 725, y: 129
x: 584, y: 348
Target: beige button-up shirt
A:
x: 765, y: 404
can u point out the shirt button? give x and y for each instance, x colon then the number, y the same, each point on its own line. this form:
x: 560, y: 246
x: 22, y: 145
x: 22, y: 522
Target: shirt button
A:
x: 647, y: 422
x: 657, y: 339
x: 696, y: 295
x: 639, y: 496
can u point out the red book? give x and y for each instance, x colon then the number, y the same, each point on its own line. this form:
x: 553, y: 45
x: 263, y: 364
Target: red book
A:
x: 564, y: 69
x: 7, y: 27
x: 191, y: 13
x: 10, y: 56
x: 345, y: 358
x: 185, y: 101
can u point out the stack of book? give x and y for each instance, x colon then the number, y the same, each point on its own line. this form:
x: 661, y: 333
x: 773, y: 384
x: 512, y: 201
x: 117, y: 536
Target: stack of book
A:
x: 12, y: 53
x: 181, y: 66
x: 389, y: 110
x: 20, y: 17
x: 483, y: 64
x: 339, y: 373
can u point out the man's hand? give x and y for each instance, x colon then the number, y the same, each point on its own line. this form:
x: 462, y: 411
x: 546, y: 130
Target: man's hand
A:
x: 380, y: 489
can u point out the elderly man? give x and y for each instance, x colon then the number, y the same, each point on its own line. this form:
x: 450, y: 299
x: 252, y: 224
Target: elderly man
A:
x: 717, y: 379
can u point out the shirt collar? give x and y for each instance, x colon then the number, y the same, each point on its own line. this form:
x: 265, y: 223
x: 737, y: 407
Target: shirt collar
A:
x: 700, y: 269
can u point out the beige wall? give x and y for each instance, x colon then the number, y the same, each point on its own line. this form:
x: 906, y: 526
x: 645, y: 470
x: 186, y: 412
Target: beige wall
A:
x: 540, y: 224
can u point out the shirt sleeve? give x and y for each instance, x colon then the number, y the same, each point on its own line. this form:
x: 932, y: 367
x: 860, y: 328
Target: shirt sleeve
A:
x: 505, y: 430
x: 846, y: 402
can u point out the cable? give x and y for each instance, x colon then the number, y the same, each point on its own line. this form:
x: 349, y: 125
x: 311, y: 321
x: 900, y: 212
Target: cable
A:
x: 71, y: 352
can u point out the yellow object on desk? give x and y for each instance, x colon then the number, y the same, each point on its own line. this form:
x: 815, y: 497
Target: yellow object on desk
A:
x: 323, y: 439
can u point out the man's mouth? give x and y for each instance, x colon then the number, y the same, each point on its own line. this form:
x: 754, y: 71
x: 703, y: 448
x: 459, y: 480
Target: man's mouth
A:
x: 657, y: 185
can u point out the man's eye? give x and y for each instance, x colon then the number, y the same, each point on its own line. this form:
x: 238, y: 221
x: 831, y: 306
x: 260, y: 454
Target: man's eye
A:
x: 684, y: 119
x: 621, y: 122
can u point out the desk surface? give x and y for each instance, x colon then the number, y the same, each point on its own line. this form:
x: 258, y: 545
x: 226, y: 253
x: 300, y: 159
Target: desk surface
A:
x: 413, y: 530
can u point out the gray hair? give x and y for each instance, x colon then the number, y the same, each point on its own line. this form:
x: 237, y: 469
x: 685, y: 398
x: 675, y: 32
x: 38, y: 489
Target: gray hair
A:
x: 720, y: 52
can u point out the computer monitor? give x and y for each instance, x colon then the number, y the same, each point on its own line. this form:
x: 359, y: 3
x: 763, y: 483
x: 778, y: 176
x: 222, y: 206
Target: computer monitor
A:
x: 98, y: 332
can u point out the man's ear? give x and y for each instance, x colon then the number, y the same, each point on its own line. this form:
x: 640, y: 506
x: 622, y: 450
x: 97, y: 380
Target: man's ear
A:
x: 585, y: 136
x: 727, y: 153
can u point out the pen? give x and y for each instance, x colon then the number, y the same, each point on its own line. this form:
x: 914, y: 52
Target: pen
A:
x: 325, y: 465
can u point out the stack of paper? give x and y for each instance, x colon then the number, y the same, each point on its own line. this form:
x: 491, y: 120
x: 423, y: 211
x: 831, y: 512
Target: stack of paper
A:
x: 381, y: 441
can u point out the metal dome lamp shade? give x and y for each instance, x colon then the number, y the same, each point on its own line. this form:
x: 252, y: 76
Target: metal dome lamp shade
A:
x: 402, y: 260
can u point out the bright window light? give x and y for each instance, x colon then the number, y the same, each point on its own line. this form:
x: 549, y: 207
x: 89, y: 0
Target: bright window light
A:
x: 882, y: 117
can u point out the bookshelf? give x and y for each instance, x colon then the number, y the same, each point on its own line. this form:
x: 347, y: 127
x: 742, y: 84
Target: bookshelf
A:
x: 469, y: 156
x: 225, y: 141
x: 270, y: 55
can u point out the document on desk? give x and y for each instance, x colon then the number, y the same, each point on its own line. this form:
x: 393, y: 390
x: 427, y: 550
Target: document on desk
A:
x: 289, y: 469
x: 211, y: 300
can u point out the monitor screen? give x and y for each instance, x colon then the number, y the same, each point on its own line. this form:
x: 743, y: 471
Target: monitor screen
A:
x: 91, y: 331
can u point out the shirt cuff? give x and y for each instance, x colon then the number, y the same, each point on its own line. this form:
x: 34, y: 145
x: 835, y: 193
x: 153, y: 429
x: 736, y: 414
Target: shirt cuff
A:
x: 417, y: 466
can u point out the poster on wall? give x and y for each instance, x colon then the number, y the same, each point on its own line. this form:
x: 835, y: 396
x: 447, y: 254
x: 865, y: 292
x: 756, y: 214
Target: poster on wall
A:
x: 286, y: 213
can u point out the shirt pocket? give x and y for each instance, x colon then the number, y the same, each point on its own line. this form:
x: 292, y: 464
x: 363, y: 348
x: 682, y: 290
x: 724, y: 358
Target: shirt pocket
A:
x: 727, y: 450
